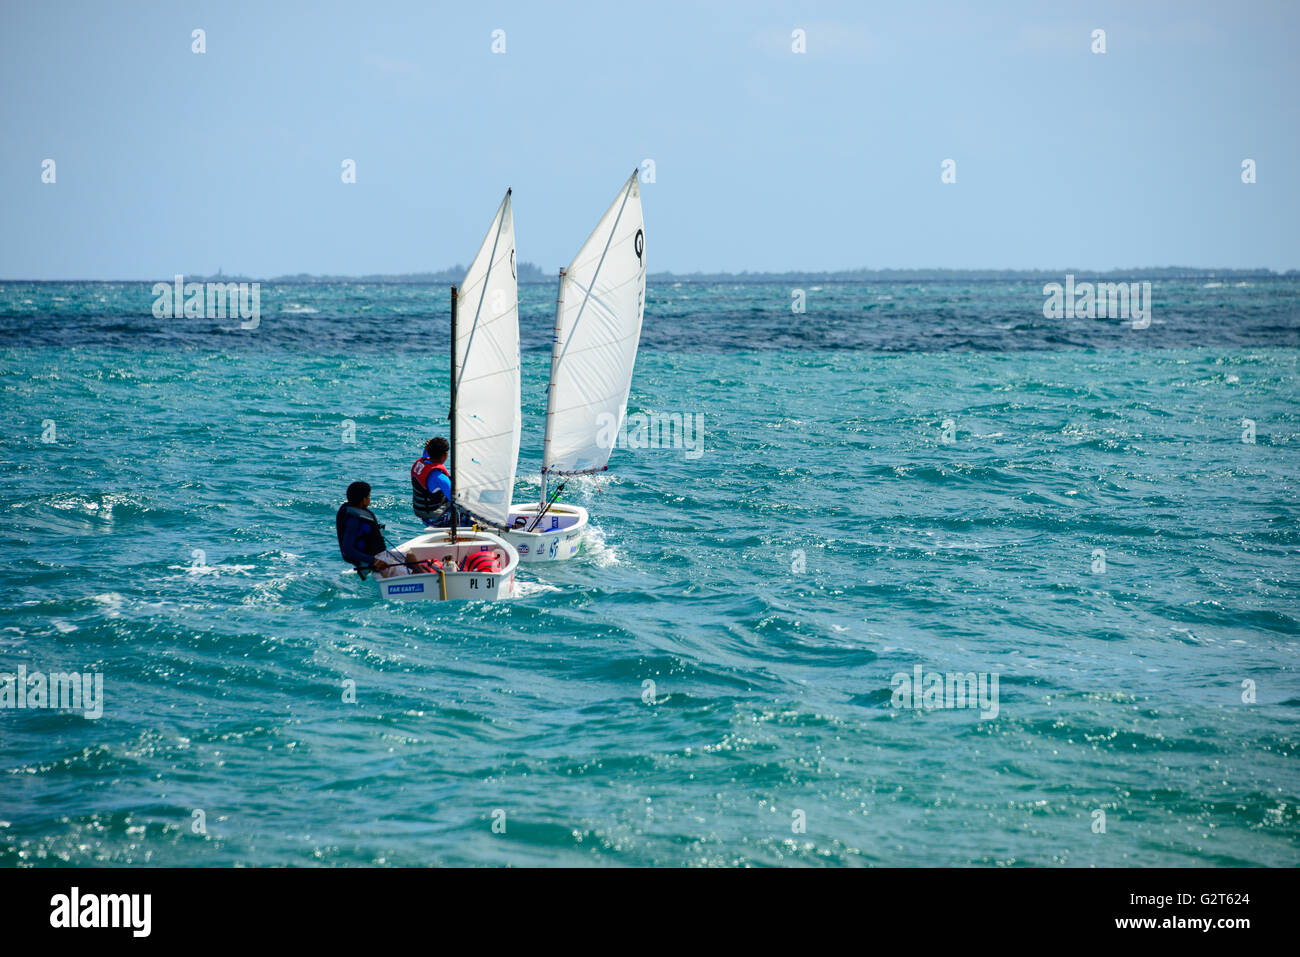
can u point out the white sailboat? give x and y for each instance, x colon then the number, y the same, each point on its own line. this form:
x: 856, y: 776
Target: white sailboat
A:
x: 598, y: 315
x: 485, y: 425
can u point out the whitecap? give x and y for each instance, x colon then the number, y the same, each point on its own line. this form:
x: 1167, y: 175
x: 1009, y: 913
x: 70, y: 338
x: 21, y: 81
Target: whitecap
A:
x: 525, y: 589
x: 111, y: 602
x: 205, y: 569
x: 597, y: 550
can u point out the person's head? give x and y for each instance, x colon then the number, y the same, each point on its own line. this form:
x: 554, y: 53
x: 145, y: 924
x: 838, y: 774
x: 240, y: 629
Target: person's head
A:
x: 437, y: 449
x: 359, y: 494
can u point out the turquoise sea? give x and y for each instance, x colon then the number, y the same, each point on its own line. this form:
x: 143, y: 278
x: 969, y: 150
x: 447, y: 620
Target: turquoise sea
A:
x: 907, y: 475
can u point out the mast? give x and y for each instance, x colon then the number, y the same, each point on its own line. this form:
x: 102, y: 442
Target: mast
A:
x: 452, y: 414
x: 550, y: 389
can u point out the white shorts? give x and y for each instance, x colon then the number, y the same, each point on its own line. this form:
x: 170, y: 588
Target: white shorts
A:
x: 396, y: 562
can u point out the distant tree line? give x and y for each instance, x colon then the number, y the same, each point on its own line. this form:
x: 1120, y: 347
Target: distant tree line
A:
x: 936, y: 275
x: 529, y: 273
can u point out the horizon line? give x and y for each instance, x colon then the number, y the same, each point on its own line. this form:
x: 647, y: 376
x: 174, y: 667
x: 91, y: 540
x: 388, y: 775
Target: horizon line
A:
x: 826, y: 275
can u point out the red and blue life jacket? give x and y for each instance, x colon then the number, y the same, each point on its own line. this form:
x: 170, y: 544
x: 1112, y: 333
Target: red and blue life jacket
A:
x: 429, y: 504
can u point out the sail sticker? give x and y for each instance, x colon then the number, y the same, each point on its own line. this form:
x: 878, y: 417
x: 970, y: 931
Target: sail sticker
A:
x: 639, y: 244
x: 512, y: 265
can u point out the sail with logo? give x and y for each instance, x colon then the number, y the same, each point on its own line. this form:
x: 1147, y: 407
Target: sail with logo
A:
x: 598, y: 315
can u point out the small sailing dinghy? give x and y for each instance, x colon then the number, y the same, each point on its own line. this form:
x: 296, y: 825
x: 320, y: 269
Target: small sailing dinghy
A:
x: 597, y: 330
x: 485, y: 425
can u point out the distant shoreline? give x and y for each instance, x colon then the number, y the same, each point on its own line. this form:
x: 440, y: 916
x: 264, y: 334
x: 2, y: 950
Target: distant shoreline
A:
x: 532, y: 275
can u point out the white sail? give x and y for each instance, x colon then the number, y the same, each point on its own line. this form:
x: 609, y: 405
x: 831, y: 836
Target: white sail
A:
x: 597, y: 330
x: 487, y: 376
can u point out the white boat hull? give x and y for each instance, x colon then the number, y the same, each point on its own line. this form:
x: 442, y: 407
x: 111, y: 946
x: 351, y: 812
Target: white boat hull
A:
x: 453, y: 585
x: 556, y: 537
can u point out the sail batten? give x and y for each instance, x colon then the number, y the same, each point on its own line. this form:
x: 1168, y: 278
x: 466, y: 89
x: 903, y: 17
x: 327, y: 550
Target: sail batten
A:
x: 597, y: 330
x: 488, y: 420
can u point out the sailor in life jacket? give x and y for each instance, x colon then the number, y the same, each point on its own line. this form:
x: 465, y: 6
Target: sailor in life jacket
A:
x: 361, y: 537
x: 431, y: 484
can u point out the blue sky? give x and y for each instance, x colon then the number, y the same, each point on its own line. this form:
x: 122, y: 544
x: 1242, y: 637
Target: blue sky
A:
x: 170, y: 161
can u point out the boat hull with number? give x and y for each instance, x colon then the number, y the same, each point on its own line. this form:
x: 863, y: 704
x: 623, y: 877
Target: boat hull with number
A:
x: 453, y: 585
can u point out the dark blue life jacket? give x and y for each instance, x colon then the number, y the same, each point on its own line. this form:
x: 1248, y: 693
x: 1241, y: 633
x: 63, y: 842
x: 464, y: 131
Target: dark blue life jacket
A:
x: 370, y: 541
